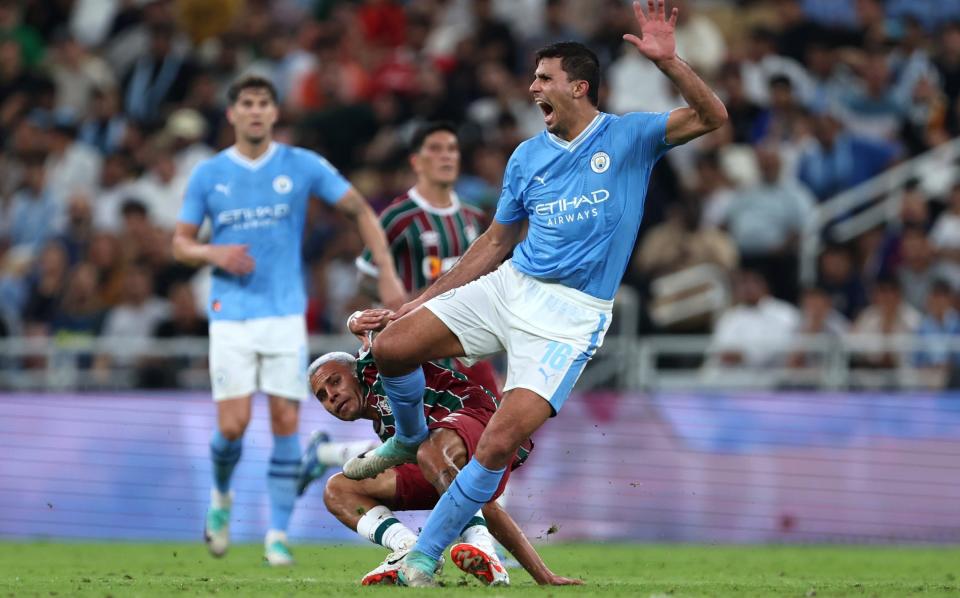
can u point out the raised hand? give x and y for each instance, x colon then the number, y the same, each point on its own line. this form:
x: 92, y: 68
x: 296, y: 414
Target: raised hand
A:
x: 657, y: 40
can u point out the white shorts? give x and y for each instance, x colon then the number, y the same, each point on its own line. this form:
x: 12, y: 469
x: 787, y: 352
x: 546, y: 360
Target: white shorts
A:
x: 549, y: 331
x: 266, y: 354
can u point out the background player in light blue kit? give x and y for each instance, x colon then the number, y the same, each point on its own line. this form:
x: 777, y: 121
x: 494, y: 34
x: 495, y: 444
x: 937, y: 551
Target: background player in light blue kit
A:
x: 580, y: 187
x: 255, y: 194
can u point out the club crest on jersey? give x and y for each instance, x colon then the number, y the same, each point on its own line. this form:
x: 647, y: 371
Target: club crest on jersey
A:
x: 600, y: 162
x: 282, y: 184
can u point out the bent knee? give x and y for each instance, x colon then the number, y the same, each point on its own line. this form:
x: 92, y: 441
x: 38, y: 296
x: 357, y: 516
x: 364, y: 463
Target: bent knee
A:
x: 337, y: 487
x: 497, y: 452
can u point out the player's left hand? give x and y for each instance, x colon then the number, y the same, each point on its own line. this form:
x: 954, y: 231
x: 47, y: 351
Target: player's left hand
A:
x: 657, y: 40
x: 361, y: 324
x: 559, y: 580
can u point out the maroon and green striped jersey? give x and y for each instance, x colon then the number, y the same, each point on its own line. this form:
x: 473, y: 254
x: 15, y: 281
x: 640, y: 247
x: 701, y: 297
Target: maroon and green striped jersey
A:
x: 446, y: 392
x: 425, y: 241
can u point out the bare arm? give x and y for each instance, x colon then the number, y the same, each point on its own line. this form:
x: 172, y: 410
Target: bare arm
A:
x: 356, y: 208
x: 187, y: 249
x: 483, y: 256
x: 657, y: 42
x: 508, y: 533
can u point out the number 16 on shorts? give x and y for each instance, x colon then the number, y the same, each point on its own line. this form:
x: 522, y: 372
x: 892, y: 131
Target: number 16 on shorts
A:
x: 557, y: 355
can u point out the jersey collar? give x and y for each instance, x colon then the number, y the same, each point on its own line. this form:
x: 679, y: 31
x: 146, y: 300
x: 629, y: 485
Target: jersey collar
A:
x: 579, y: 139
x: 246, y: 162
x: 425, y: 205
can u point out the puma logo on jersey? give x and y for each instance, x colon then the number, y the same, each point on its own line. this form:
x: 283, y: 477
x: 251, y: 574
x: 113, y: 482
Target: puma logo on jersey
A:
x: 225, y: 189
x: 542, y: 179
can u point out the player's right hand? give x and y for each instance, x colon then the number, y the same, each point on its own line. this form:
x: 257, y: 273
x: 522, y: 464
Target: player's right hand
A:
x: 233, y: 258
x: 362, y: 323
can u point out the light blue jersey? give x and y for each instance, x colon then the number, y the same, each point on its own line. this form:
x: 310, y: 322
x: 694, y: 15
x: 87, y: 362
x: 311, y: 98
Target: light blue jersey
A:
x: 583, y: 199
x: 261, y: 203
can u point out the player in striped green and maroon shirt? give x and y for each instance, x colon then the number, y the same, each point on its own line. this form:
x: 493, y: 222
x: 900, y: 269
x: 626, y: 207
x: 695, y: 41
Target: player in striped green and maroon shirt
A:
x: 428, y: 229
x: 456, y: 410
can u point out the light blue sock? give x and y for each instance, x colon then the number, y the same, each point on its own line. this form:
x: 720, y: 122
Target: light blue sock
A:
x: 225, y: 454
x: 282, y: 479
x: 405, y: 394
x: 473, y: 487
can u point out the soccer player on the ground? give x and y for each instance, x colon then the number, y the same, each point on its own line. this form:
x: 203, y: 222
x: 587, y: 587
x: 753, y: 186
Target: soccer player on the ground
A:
x: 255, y: 194
x: 580, y: 187
x: 455, y: 410
x: 427, y: 227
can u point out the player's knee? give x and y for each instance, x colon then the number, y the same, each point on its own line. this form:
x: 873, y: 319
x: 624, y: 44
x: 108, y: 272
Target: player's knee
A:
x: 234, y: 427
x: 495, y: 452
x: 389, y: 350
x: 333, y: 493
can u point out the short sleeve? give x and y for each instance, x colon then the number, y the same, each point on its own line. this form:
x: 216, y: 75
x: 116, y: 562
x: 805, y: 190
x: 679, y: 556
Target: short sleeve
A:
x: 326, y: 181
x: 648, y: 134
x: 510, y: 205
x: 194, y: 206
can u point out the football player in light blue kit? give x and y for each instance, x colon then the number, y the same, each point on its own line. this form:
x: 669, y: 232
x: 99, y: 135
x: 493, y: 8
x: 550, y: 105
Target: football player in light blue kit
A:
x: 255, y: 195
x: 580, y: 187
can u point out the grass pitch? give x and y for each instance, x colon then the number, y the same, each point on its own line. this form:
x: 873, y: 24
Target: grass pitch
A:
x: 65, y: 569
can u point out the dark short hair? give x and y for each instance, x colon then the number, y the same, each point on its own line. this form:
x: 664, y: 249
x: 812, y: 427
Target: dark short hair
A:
x: 133, y: 207
x: 578, y: 62
x: 428, y: 129
x: 251, y: 82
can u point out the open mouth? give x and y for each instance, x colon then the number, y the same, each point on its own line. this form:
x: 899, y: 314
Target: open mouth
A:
x: 547, y: 109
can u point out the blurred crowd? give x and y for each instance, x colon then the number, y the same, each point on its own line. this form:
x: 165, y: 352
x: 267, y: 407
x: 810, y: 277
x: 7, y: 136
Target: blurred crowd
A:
x: 107, y: 105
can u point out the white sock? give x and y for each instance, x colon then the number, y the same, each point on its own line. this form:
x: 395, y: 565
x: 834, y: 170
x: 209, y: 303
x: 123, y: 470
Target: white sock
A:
x: 220, y: 500
x: 337, y: 453
x: 476, y: 533
x: 380, y: 527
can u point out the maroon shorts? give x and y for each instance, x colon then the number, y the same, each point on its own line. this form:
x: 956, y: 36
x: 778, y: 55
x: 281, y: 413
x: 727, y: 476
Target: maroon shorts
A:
x: 414, y: 492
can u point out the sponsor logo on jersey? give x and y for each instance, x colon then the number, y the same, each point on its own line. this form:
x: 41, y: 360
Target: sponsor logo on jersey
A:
x: 282, y: 184
x: 574, y: 209
x: 221, y: 188
x: 258, y: 217
x: 433, y: 266
x: 542, y: 179
x: 600, y: 162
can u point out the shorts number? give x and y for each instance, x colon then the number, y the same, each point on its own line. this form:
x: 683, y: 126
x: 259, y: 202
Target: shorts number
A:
x: 557, y: 355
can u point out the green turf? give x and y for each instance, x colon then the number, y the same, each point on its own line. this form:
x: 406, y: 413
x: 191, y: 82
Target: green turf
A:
x: 40, y: 569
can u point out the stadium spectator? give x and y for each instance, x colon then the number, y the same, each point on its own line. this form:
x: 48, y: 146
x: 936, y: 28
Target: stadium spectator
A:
x: 839, y: 279
x: 129, y: 325
x: 917, y: 270
x: 33, y: 215
x: 256, y: 308
x: 945, y: 238
x: 838, y: 160
x: 817, y: 317
x: 71, y: 165
x: 886, y: 315
x: 940, y: 326
x: 46, y: 287
x: 766, y: 221
x: 159, y: 77
x: 77, y: 74
x: 681, y: 242
x: 756, y: 332
x: 105, y: 125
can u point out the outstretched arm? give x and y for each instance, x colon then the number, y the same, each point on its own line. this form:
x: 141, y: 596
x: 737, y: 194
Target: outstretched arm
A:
x: 508, y: 533
x: 658, y: 43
